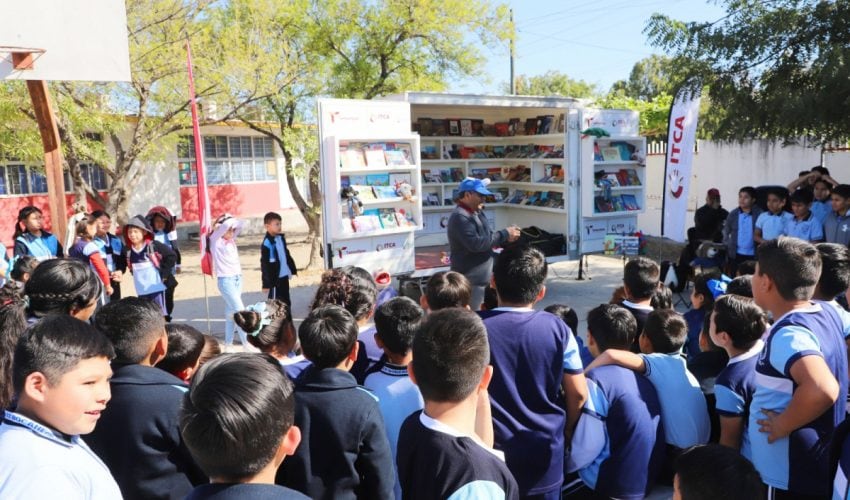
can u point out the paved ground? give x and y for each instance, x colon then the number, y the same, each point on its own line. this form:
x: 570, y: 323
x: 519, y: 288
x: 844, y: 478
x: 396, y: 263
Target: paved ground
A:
x: 190, y: 305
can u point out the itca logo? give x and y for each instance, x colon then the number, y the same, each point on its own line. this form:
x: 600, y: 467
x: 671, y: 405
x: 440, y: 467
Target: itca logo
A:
x: 675, y: 182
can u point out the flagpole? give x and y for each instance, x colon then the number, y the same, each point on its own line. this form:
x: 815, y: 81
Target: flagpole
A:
x: 203, y: 195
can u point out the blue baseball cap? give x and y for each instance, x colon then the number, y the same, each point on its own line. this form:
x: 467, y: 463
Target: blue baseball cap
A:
x: 477, y: 185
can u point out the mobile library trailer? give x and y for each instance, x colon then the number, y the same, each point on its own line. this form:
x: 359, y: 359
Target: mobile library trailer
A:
x: 391, y: 168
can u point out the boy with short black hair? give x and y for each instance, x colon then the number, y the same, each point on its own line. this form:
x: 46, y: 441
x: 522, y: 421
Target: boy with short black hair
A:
x: 736, y: 325
x: 185, y: 344
x: 628, y: 466
x: 772, y: 224
x: 446, y: 289
x: 640, y: 280
x: 396, y: 323
x: 803, y: 224
x: 139, y: 435
x: 801, y: 375
x: 836, y: 225
x: 834, y: 280
x: 344, y: 452
x: 568, y: 315
x: 276, y: 262
x: 739, y: 230
x: 240, y: 437
x: 440, y: 454
x: 530, y: 419
x: 683, y: 408
x: 712, y: 471
x: 61, y: 376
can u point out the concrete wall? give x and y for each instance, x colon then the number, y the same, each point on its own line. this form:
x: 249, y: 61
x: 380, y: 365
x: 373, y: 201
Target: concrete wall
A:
x: 730, y: 166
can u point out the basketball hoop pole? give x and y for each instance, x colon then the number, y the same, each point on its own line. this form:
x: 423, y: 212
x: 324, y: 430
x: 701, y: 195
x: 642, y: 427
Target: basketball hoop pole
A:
x: 40, y: 96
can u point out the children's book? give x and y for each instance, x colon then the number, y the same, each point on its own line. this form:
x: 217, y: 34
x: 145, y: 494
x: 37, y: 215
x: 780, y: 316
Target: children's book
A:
x: 352, y: 158
x: 375, y: 158
x: 397, y: 180
x: 404, y: 218
x: 364, y: 192
x: 367, y: 222
x: 378, y: 179
x: 611, y: 154
x: 384, y: 192
x: 617, y: 201
x: 388, y: 219
x: 630, y: 202
x: 602, y: 204
x: 395, y: 157
x: 357, y: 180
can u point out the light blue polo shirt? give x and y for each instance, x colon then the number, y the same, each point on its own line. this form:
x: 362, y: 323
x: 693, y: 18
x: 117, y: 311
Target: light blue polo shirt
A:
x: 809, y: 229
x: 773, y: 226
x: 746, y: 244
x: 821, y: 209
x: 683, y: 409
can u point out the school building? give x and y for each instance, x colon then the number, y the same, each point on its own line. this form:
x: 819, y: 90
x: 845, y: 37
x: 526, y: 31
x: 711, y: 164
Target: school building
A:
x: 245, y: 177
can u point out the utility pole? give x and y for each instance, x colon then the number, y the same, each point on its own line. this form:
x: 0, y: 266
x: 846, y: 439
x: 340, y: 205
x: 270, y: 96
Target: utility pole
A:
x: 513, y: 36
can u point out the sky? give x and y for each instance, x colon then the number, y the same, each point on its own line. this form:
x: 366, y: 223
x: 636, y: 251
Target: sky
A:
x: 597, y: 42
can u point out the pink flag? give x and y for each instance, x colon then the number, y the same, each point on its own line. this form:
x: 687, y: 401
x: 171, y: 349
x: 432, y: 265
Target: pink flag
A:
x: 204, y: 216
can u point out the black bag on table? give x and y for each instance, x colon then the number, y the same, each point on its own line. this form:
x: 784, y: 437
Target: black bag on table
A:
x: 549, y: 244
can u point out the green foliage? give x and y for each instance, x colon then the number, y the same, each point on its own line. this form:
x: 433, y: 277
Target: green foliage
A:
x: 650, y: 77
x: 654, y: 113
x: 779, y: 69
x: 553, y: 83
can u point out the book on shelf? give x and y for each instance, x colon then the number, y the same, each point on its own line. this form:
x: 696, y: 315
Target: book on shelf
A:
x: 351, y: 158
x: 395, y: 157
x: 617, y: 202
x: 384, y: 192
x: 466, y: 128
x: 502, y: 129
x: 370, y: 220
x: 561, y: 124
x: 388, y: 219
x: 364, y: 192
x: 404, y: 218
x: 630, y: 202
x: 378, y: 179
x: 397, y: 180
x: 426, y: 127
x: 431, y: 200
x: 603, y: 204
x: 375, y: 158
x: 634, y: 178
x: 597, y: 153
x: 429, y: 153
x: 611, y: 154
x: 626, y: 149
x: 439, y: 127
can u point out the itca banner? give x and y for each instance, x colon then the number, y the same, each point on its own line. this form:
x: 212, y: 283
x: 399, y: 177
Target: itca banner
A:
x: 681, y: 136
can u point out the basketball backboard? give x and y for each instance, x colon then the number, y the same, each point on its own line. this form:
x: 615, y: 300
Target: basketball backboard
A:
x: 81, y: 39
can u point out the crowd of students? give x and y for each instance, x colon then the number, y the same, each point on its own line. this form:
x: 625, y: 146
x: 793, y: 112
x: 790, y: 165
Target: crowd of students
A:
x: 378, y: 397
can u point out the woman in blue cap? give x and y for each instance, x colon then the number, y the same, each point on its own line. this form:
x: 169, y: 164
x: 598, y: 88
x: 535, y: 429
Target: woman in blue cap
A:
x: 471, y: 239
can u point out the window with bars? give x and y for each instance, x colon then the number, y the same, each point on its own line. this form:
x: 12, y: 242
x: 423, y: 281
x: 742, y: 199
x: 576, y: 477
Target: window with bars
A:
x: 228, y: 160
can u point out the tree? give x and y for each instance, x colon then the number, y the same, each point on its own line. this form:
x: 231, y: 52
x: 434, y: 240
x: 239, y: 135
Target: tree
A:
x: 552, y: 83
x: 649, y: 78
x: 779, y: 68
x: 276, y: 56
x: 654, y: 113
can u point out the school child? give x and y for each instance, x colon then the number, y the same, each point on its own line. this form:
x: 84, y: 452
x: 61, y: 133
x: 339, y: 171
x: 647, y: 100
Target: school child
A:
x: 13, y: 322
x: 704, y: 365
x: 270, y: 329
x: 739, y: 230
x: 354, y: 289
x: 801, y: 375
x: 822, y: 203
x: 683, y: 408
x: 622, y: 411
x: 440, y: 453
x: 164, y: 227
x: 240, y: 437
x: 836, y: 225
x: 396, y: 322
x: 748, y: 267
x: 344, y: 452
x: 149, y: 261
x: 640, y: 280
x: 736, y: 325
x: 212, y: 348
x: 834, y: 279
x: 185, y: 344
x: 662, y: 297
x: 803, y: 224
x: 85, y: 250
x: 228, y: 271
x: 22, y: 270
x: 138, y: 436
x: 772, y: 224
x: 31, y: 239
x: 712, y: 471
x: 112, y: 251
x: 530, y: 419
x: 491, y: 299
x: 61, y: 376
x: 276, y: 262
x: 62, y: 286
x: 446, y: 289
x: 742, y: 285
x: 568, y: 315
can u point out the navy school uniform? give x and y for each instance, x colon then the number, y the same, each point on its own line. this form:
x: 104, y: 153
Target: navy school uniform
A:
x: 530, y: 352
x: 734, y: 390
x: 623, y: 459
x: 344, y: 452
x: 42, y: 247
x: 138, y: 435
x: 640, y: 313
x: 799, y: 462
x: 277, y: 266
x: 244, y: 491
x: 436, y: 461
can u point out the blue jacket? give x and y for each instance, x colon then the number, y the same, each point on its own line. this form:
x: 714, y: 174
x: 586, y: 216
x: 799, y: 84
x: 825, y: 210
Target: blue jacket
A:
x: 270, y: 261
x: 344, y: 452
x: 730, y: 230
x: 138, y: 435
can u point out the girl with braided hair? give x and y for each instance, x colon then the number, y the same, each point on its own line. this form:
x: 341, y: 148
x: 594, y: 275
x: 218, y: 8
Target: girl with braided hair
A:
x: 13, y: 322
x: 62, y: 286
x: 270, y: 329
